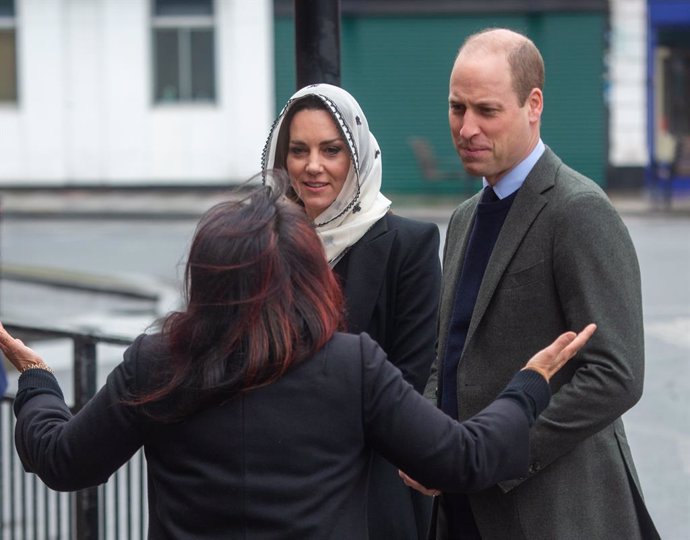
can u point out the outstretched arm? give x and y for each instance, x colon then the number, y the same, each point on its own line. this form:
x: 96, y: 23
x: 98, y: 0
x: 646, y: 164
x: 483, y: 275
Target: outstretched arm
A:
x: 19, y: 355
x: 444, y: 454
x: 71, y: 452
x: 546, y: 362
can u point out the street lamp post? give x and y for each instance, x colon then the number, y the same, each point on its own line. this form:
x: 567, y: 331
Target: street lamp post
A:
x: 317, y: 41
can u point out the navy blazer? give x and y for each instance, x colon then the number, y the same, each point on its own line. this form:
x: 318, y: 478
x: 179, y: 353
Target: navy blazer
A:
x: 392, y: 285
x: 392, y: 279
x: 284, y: 461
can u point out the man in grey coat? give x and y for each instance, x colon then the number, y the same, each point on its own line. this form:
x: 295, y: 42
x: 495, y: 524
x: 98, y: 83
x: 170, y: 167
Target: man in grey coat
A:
x: 540, y: 251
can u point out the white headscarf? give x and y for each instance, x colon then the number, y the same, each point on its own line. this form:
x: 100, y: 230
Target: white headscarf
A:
x: 360, y: 203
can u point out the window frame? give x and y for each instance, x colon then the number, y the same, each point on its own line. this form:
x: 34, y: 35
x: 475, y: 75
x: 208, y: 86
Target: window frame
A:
x: 184, y: 24
x: 9, y: 23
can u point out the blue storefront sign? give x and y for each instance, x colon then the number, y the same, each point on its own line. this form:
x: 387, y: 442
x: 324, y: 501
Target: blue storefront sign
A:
x: 668, y: 76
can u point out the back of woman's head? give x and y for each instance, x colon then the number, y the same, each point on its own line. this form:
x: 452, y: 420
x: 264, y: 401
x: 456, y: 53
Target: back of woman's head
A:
x: 260, y: 297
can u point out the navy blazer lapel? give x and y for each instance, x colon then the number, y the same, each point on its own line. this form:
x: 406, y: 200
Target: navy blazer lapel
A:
x: 367, y: 262
x: 528, y: 203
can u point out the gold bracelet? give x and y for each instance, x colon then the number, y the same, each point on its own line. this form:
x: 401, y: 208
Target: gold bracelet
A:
x: 36, y: 365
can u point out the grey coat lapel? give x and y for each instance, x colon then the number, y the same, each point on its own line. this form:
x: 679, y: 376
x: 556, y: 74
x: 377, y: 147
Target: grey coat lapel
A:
x: 453, y: 257
x: 528, y: 203
x: 366, y: 272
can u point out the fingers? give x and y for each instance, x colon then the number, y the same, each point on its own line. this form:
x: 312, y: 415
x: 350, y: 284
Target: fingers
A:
x: 569, y: 343
x: 16, y: 352
x: 9, y: 343
x: 578, y: 341
x: 572, y: 343
x: 417, y: 486
x: 549, y: 360
x: 5, y: 338
x: 583, y: 337
x: 561, y: 343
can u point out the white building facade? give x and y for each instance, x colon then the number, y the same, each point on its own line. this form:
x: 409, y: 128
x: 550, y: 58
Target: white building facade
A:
x: 627, y: 84
x: 134, y: 92
x: 181, y: 92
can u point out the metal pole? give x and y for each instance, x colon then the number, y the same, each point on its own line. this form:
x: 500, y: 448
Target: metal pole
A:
x: 317, y: 41
x: 86, y: 511
x: 3, y: 375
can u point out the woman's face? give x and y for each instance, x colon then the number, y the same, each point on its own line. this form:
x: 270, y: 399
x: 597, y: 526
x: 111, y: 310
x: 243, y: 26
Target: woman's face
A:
x: 318, y: 160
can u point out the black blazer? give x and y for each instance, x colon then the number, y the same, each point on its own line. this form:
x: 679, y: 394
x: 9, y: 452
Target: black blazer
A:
x: 285, y: 461
x: 392, y: 280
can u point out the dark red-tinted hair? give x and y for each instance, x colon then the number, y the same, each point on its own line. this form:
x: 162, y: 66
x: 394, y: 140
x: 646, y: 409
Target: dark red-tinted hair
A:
x: 260, y: 298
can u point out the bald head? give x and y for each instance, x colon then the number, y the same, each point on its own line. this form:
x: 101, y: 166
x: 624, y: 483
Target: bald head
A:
x: 524, y: 59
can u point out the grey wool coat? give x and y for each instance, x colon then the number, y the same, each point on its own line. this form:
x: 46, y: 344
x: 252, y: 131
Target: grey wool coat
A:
x: 563, y: 259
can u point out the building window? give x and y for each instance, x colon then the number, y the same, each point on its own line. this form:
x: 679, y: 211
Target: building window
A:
x: 8, y: 52
x: 183, y: 51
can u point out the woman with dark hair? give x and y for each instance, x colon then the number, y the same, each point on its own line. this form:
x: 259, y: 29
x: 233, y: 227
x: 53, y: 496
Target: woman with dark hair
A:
x: 256, y: 415
x: 388, y: 265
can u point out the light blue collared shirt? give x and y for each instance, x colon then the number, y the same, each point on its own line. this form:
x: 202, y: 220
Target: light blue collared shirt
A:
x: 515, y: 177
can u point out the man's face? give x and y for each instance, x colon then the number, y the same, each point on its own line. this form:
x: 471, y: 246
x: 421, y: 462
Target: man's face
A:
x: 491, y: 131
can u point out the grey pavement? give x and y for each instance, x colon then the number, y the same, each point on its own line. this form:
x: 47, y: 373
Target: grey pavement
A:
x: 188, y: 202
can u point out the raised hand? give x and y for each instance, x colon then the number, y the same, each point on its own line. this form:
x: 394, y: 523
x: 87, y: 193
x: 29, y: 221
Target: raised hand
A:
x: 549, y: 360
x: 21, y: 356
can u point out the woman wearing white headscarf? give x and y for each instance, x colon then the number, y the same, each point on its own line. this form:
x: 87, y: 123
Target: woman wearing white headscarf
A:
x: 388, y: 265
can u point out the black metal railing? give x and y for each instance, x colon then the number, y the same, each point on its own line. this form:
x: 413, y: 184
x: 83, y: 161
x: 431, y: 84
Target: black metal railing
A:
x: 28, y: 508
